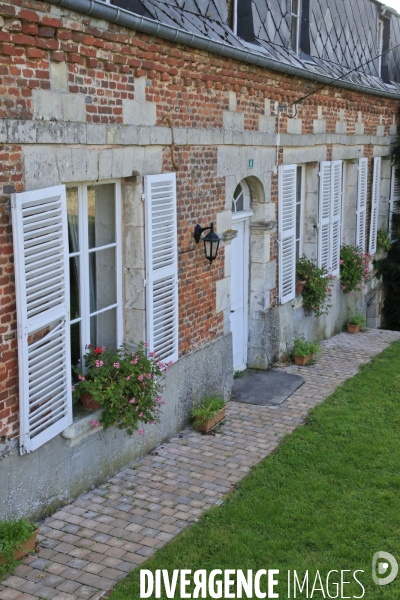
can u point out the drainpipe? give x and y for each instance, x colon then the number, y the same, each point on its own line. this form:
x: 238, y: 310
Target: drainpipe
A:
x: 120, y: 16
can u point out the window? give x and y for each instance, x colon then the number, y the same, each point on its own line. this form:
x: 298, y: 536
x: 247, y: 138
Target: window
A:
x: 241, y: 198
x: 296, y: 16
x: 95, y: 267
x: 243, y: 25
x: 382, y: 46
x: 329, y: 217
x: 379, y: 45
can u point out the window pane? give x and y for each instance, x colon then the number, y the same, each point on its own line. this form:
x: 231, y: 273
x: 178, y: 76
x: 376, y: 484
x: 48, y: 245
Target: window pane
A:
x: 73, y: 219
x: 75, y: 347
x: 74, y: 309
x: 103, y: 329
x: 102, y: 279
x: 101, y: 215
x: 238, y: 199
x: 298, y: 223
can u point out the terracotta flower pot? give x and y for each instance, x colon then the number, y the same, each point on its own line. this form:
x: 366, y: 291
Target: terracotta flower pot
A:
x: 300, y: 287
x: 210, y: 423
x: 89, y: 403
x: 25, y: 548
x: 352, y: 328
x: 302, y: 360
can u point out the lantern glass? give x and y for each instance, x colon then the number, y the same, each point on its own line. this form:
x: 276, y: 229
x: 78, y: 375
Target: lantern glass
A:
x: 211, y: 245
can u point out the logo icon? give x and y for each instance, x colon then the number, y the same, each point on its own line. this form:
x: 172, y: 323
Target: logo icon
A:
x: 380, y: 566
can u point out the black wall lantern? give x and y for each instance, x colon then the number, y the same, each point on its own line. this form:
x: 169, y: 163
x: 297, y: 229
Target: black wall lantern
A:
x: 211, y: 241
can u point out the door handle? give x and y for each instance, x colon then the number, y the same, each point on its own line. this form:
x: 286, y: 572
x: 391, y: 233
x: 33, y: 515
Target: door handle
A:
x: 232, y: 310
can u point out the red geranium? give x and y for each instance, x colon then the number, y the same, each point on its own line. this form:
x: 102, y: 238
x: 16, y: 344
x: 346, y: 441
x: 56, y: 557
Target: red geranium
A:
x: 97, y: 350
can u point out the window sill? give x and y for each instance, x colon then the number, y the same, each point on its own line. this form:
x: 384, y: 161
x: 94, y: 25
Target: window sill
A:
x: 82, y: 428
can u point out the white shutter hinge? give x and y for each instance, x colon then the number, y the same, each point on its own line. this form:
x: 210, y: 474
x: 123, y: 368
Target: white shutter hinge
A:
x: 20, y: 331
x: 143, y: 197
x: 13, y: 200
x: 144, y: 282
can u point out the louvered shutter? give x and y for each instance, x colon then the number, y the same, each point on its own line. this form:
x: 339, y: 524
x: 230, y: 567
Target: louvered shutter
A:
x: 394, y: 206
x: 287, y: 232
x: 162, y: 265
x: 324, y: 217
x: 42, y: 286
x: 376, y: 190
x: 362, y: 203
x: 336, y: 210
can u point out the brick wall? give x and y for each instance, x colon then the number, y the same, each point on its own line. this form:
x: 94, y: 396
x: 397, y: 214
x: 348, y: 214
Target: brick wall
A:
x: 189, y: 86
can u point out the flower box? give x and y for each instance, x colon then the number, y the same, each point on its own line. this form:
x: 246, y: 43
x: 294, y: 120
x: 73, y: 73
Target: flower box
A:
x: 25, y: 548
x: 208, y: 424
x: 302, y: 360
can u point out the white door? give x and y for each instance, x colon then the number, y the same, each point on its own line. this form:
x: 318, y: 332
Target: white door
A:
x: 239, y: 289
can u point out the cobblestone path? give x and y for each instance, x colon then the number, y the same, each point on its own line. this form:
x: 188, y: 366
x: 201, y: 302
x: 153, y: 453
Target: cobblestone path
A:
x: 87, y: 546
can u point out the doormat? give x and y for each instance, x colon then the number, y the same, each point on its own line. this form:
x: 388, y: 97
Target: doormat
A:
x: 265, y: 388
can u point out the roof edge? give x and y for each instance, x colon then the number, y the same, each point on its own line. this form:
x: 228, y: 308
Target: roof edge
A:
x: 120, y: 16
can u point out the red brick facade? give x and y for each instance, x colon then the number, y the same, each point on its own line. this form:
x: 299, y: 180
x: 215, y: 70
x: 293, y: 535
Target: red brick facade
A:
x: 189, y: 86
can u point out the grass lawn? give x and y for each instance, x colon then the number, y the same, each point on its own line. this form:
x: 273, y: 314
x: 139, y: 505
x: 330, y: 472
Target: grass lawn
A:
x: 327, y: 498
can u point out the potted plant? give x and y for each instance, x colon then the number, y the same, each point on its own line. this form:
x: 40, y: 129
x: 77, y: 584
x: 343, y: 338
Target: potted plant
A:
x: 210, y: 412
x: 125, y: 384
x: 354, y: 269
x: 17, y: 539
x: 303, y: 270
x: 356, y: 322
x: 304, y: 351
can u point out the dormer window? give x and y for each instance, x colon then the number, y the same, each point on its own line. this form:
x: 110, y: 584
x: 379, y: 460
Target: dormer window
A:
x: 382, y: 46
x: 296, y: 16
x: 243, y: 25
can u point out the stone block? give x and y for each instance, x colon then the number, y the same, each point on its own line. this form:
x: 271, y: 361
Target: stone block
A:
x: 319, y: 126
x: 79, y: 164
x: 143, y: 136
x: 92, y: 165
x: 380, y: 130
x: 152, y: 160
x: 359, y: 128
x: 304, y: 155
x: 40, y: 167
x: 160, y: 135
x: 21, y: 132
x: 341, y: 126
x: 135, y: 293
x: 75, y: 133
x: 131, y: 112
x: 133, y: 205
x: 134, y: 247
x: 105, y: 164
x: 96, y: 133
x: 223, y: 294
x: 232, y: 101
x: 115, y: 134
x: 233, y: 120
x: 224, y: 221
x: 260, y: 248
x: 58, y: 76
x: 49, y: 132
x: 3, y: 130
x: 148, y: 113
x: 130, y: 135
x: 140, y: 89
x: 64, y: 162
x: 341, y: 152
x: 74, y: 107
x: 294, y: 126
x: 47, y: 105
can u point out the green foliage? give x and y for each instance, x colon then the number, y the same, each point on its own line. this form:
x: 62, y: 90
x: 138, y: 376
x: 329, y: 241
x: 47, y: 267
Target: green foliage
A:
x: 317, y: 288
x: 356, y: 318
x: 125, y: 384
x: 354, y: 269
x: 303, y: 348
x: 383, y: 240
x: 327, y: 498
x: 207, y: 409
x: 12, y: 534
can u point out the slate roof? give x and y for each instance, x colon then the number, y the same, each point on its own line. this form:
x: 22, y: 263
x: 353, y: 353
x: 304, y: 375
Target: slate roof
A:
x: 343, y: 33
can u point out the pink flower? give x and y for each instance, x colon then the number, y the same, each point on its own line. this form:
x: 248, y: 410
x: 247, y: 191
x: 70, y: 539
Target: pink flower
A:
x: 116, y: 365
x: 163, y: 402
x: 140, y: 377
x: 148, y: 375
x: 161, y: 364
x: 350, y: 293
x: 128, y: 378
x: 99, y: 363
x: 158, y: 399
x: 94, y: 423
x: 73, y: 388
x: 152, y: 354
x: 137, y: 408
x: 141, y: 414
x: 341, y: 261
x: 103, y: 348
x: 171, y: 362
x: 81, y: 377
x: 145, y: 344
x: 140, y: 431
x: 132, y: 400
x: 150, y: 422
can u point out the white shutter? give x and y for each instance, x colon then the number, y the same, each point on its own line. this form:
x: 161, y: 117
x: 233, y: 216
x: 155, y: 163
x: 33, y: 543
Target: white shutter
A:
x: 287, y: 232
x: 324, y: 216
x: 394, y: 206
x: 162, y: 265
x: 42, y: 286
x: 362, y: 203
x: 336, y: 210
x: 376, y: 190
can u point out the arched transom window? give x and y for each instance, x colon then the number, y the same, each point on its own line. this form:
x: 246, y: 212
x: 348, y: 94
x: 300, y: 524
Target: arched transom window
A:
x: 241, y: 198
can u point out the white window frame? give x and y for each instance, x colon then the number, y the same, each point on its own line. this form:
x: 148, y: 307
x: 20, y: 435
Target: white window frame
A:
x: 331, y: 218
x: 361, y: 212
x: 302, y: 197
x: 84, y: 251
x: 375, y: 200
x: 287, y: 234
x: 379, y: 45
x: 234, y: 23
x: 296, y: 18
